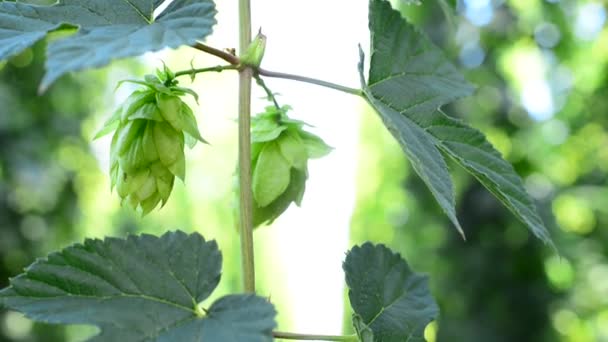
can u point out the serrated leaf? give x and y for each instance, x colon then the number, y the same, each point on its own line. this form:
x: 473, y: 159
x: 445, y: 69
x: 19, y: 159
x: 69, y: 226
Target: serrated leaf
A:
x: 108, y: 29
x: 409, y: 79
x: 143, y: 288
x: 386, y: 296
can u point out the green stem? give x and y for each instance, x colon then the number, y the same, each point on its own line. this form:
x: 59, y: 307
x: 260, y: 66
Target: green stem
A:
x: 246, y: 196
x: 193, y: 72
x: 304, y: 337
x: 269, y: 93
x: 259, y: 71
x: 310, y: 80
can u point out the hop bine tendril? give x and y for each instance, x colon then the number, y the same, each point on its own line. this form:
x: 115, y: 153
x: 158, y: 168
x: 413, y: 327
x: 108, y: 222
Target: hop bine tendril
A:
x: 151, y: 129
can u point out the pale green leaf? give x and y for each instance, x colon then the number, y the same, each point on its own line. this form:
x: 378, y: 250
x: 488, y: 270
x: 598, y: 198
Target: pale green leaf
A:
x: 409, y: 80
x: 293, y: 149
x: 316, y: 147
x: 271, y: 175
x: 387, y: 297
x: 143, y: 288
x: 293, y: 194
x: 107, y: 30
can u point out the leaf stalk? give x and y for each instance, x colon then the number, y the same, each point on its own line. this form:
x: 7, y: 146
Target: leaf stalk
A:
x: 306, y: 337
x: 234, y: 60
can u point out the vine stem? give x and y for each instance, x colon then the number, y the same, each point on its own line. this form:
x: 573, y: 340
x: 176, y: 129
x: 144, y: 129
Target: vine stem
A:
x: 310, y: 80
x: 305, y: 337
x: 194, y: 71
x: 234, y: 60
x: 246, y: 196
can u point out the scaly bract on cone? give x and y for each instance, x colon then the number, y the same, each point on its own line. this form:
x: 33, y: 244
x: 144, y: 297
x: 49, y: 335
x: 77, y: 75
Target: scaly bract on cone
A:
x: 150, y: 129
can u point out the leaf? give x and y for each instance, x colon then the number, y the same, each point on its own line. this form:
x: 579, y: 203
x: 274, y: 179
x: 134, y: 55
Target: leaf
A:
x: 143, y: 288
x: 108, y: 29
x: 271, y: 175
x: 293, y: 149
x: 110, y: 125
x: 315, y: 146
x: 293, y: 193
x: 409, y: 80
x: 148, y: 111
x: 265, y: 126
x: 386, y: 296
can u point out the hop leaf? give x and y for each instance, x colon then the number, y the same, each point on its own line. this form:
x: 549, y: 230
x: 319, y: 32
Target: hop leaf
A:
x: 150, y: 131
x: 280, y: 152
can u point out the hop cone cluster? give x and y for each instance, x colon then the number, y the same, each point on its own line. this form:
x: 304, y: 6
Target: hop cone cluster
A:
x: 281, y: 149
x: 151, y: 129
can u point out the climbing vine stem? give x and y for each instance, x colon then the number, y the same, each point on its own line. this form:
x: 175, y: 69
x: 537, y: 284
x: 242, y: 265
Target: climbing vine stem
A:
x: 246, y: 196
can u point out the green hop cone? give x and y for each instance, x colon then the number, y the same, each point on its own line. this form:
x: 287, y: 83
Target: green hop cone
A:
x: 281, y: 149
x: 151, y: 129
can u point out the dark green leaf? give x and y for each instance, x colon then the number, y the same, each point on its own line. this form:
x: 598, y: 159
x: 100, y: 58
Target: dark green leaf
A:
x: 409, y: 80
x: 386, y: 296
x: 142, y: 288
x: 108, y: 29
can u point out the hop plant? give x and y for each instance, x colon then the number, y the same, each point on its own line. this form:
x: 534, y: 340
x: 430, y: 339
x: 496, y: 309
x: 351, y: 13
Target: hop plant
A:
x: 281, y: 149
x: 150, y: 129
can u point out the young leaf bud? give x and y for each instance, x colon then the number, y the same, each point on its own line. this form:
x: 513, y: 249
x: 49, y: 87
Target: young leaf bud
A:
x: 255, y: 51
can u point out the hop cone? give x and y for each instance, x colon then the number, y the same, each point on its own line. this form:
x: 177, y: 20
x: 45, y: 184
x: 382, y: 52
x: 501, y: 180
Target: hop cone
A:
x: 151, y: 129
x: 281, y: 149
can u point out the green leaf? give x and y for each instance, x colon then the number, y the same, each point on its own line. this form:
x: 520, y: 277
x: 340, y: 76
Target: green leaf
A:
x: 169, y: 143
x: 190, y: 127
x: 143, y: 288
x: 108, y: 29
x: 293, y: 194
x: 316, y: 147
x: 293, y: 149
x: 178, y: 114
x: 409, y: 80
x: 127, y: 133
x: 270, y: 175
x: 265, y: 126
x: 386, y: 296
x: 148, y: 111
x: 110, y: 125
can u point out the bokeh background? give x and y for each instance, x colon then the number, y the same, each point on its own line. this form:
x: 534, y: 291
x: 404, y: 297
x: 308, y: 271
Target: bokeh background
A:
x: 542, y: 97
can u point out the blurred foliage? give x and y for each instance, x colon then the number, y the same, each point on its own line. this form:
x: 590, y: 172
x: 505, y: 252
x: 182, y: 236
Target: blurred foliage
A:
x: 38, y: 191
x: 54, y: 188
x: 542, y: 98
